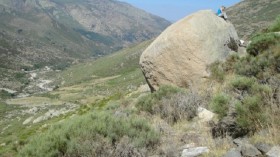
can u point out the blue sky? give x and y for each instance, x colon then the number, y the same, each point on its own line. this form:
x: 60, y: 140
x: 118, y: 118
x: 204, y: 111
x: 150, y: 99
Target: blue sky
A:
x: 174, y: 10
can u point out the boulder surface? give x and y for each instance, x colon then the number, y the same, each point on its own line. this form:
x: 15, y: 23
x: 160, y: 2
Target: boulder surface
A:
x: 182, y: 54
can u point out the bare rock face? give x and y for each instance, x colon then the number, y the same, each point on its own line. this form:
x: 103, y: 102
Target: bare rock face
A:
x: 182, y: 53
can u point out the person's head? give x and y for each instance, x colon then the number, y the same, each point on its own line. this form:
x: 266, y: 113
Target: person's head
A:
x: 223, y: 7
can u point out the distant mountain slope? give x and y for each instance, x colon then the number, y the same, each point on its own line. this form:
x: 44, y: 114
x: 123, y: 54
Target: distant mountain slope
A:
x: 35, y: 33
x: 250, y: 16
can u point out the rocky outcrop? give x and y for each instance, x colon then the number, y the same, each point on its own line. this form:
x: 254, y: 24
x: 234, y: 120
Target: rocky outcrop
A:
x: 246, y: 149
x: 182, y: 53
x: 274, y: 152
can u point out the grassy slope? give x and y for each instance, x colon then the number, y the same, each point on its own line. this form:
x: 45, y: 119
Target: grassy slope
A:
x: 109, y: 73
x: 120, y: 72
x: 112, y: 73
x: 119, y: 63
x: 37, y: 33
x: 251, y: 16
x: 250, y: 85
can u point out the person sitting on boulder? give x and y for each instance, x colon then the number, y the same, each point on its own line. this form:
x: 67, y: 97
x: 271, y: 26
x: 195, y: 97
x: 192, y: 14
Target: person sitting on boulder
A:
x: 221, y: 12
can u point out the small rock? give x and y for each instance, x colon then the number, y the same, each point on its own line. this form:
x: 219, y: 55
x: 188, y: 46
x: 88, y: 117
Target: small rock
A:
x: 240, y: 141
x: 33, y: 110
x: 249, y: 150
x: 39, y: 119
x: 274, y: 152
x: 188, y: 146
x: 264, y: 148
x: 194, y: 152
x: 28, y: 120
x: 204, y: 115
x: 233, y: 153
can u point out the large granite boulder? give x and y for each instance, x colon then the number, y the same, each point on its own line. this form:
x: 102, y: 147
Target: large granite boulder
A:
x: 182, y: 53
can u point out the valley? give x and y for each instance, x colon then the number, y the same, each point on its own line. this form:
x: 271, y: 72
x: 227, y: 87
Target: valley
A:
x: 39, y: 33
x: 54, y: 95
x: 72, y: 85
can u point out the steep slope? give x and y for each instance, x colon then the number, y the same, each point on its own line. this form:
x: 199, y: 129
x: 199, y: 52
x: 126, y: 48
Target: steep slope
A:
x: 35, y: 33
x: 250, y: 16
x: 112, y: 18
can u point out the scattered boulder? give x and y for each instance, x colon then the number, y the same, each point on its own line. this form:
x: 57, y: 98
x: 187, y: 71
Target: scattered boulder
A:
x: 48, y: 115
x: 182, y: 53
x: 39, y: 119
x: 194, y: 152
x: 263, y: 148
x: 249, y: 150
x: 187, y: 146
x: 33, y: 110
x: 204, y: 115
x: 233, y: 153
x: 245, y: 149
x: 274, y: 152
x: 28, y: 120
x: 240, y: 141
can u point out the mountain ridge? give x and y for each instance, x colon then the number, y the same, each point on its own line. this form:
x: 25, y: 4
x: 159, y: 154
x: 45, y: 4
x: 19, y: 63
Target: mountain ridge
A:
x: 59, y: 33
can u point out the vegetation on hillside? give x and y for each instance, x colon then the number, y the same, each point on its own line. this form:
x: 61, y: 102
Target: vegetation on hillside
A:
x: 122, y: 62
x: 95, y: 84
x: 252, y: 16
x: 113, y: 127
x: 99, y: 133
x: 171, y: 104
x: 60, y: 33
x: 125, y: 123
x: 252, y: 83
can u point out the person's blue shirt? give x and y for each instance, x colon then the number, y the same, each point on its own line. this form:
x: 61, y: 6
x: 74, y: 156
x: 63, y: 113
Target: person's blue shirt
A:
x: 219, y: 12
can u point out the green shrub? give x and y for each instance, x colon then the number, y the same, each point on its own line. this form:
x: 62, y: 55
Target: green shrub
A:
x: 180, y: 106
x: 255, y: 87
x: 250, y: 113
x: 274, y: 58
x: 268, y: 61
x: 217, y: 71
x: 275, y: 27
x: 220, y: 104
x: 262, y: 90
x: 262, y: 42
x: 242, y: 83
x: 250, y: 65
x: 171, y: 104
x: 228, y: 65
x: 5, y: 95
x: 146, y: 103
x: 95, y: 134
x: 251, y: 86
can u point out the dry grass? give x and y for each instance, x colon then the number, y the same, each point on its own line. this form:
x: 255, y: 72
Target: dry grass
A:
x: 269, y: 134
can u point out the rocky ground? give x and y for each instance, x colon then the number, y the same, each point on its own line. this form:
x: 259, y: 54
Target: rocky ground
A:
x: 32, y: 106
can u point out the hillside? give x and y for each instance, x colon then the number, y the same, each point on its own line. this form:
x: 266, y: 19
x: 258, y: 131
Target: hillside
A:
x: 117, y: 116
x: 84, y: 86
x: 36, y: 33
x: 104, y: 108
x: 251, y: 16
